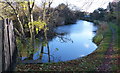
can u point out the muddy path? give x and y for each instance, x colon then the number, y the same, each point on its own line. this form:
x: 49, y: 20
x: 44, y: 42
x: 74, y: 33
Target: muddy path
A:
x: 106, y: 65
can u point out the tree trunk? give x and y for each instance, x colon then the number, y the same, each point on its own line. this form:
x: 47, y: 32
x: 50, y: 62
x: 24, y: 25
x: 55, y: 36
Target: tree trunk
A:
x: 18, y: 18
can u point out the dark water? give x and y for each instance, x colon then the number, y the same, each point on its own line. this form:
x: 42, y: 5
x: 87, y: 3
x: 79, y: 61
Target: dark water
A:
x: 76, y: 43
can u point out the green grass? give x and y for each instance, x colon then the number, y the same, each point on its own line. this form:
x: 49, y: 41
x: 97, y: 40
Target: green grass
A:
x: 116, y: 47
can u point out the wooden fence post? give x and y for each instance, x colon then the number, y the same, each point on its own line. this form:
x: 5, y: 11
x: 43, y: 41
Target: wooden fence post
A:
x: 1, y: 45
x: 8, y: 50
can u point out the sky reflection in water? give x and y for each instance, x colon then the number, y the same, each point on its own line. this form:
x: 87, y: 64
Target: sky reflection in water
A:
x: 78, y: 43
x: 81, y: 44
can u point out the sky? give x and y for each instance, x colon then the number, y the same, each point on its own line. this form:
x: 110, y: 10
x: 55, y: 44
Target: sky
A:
x: 83, y: 5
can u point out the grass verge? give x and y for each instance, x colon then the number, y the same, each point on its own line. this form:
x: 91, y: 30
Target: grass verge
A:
x: 116, y: 56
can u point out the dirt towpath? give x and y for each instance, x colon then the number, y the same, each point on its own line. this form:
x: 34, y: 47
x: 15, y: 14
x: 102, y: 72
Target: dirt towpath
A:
x: 106, y: 65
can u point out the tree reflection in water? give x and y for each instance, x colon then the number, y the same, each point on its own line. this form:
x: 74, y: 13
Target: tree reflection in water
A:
x: 60, y: 46
x: 36, y: 55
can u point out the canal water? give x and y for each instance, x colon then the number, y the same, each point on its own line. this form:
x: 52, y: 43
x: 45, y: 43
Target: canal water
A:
x: 75, y: 43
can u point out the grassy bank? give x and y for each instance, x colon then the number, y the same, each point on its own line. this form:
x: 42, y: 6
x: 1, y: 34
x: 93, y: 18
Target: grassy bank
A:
x: 116, y: 56
x: 88, y: 63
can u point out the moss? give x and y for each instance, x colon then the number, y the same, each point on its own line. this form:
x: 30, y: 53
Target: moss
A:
x: 98, y: 38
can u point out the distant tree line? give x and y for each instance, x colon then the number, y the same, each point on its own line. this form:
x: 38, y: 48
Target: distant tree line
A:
x: 60, y: 15
x: 110, y: 14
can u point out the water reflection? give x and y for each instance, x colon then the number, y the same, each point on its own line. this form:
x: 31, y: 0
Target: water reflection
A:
x: 74, y: 43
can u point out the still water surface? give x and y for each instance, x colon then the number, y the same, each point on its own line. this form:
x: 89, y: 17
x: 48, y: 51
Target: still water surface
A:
x: 76, y: 43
